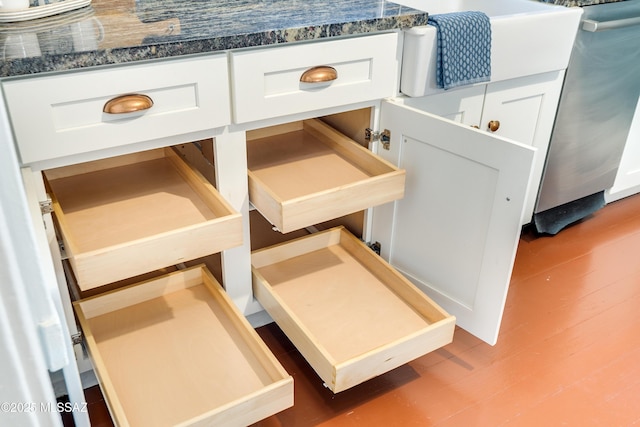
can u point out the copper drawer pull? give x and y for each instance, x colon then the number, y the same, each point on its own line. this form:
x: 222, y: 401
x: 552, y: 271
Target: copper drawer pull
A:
x: 322, y: 73
x: 128, y: 104
x: 493, y: 125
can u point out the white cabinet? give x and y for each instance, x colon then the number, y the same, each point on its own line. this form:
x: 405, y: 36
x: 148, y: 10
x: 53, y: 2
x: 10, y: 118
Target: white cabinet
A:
x: 109, y: 168
x: 347, y: 311
x: 453, y: 235
x: 525, y: 109
x: 521, y: 109
x: 456, y: 231
x: 462, y: 105
x: 627, y: 180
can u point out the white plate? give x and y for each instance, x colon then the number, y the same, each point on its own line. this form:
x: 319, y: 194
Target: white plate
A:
x: 35, y: 12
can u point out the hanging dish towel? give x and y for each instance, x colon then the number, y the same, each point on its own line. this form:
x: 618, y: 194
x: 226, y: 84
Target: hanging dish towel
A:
x: 464, y: 48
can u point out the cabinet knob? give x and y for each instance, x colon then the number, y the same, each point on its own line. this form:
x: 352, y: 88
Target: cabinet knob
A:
x: 128, y: 104
x: 494, y: 125
x: 322, y: 73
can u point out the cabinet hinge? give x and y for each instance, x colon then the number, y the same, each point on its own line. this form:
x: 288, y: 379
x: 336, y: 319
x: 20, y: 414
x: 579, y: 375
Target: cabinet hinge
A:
x: 46, y: 206
x: 76, y: 338
x: 375, y: 247
x: 384, y: 137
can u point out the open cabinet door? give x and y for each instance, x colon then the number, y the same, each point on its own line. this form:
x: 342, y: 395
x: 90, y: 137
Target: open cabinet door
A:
x: 35, y: 339
x: 456, y: 231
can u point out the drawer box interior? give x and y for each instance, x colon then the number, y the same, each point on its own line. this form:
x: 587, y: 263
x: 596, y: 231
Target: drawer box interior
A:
x: 129, y: 215
x: 304, y: 173
x: 175, y: 350
x: 349, y: 313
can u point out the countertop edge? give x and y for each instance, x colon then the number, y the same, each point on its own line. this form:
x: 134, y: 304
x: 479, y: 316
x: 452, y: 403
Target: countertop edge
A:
x: 179, y: 48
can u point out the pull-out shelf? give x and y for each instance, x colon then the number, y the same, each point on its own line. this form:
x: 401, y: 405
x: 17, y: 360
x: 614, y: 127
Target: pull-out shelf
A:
x: 129, y: 215
x: 304, y: 173
x: 349, y: 313
x: 175, y: 351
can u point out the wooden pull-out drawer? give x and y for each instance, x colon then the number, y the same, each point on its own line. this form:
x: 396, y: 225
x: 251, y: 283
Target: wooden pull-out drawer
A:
x: 133, y: 214
x: 304, y: 173
x: 62, y: 115
x: 175, y: 351
x: 279, y: 81
x: 349, y: 313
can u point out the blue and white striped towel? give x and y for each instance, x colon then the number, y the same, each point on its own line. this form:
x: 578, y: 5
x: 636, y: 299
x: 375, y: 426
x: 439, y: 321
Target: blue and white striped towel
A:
x: 464, y: 48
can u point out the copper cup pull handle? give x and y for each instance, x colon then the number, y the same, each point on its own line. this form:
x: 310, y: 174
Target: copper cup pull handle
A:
x: 322, y: 73
x: 128, y: 104
x: 493, y: 125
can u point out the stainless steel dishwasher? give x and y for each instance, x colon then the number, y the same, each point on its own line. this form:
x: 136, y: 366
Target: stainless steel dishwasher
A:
x: 596, y: 108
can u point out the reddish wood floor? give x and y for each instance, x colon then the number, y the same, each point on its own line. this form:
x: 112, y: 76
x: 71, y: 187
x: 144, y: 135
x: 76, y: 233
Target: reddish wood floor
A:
x: 568, y: 351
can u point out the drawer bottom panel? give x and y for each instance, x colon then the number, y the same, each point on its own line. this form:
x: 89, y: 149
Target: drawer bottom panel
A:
x: 349, y: 313
x: 174, y: 350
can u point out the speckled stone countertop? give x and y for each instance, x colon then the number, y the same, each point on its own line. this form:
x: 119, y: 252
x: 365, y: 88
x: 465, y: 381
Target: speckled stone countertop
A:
x: 571, y: 3
x: 123, y: 31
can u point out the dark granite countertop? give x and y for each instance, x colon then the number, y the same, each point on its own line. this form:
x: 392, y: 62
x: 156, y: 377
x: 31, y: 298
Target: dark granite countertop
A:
x: 580, y: 3
x: 109, y: 32
x: 122, y: 31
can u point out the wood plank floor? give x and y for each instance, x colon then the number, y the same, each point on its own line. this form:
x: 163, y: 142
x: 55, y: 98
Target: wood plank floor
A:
x: 568, y: 351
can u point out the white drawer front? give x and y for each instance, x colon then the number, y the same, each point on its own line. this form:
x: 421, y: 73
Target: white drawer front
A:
x: 266, y: 82
x: 58, y: 116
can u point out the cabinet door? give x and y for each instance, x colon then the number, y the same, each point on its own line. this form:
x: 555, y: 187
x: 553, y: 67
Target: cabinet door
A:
x: 526, y: 109
x: 463, y: 105
x: 456, y: 231
x: 31, y: 310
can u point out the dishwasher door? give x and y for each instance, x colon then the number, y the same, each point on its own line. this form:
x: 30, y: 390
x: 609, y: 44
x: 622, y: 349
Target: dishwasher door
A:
x: 596, y: 107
